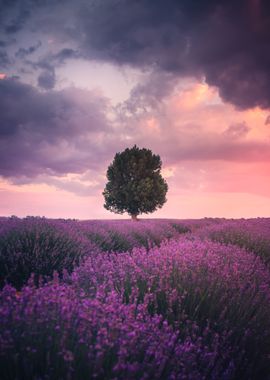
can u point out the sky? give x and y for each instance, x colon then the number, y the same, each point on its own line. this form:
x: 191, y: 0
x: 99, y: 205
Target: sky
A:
x: 82, y: 80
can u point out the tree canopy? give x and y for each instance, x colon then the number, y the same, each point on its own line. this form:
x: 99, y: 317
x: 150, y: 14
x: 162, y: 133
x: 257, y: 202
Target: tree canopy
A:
x: 135, y: 184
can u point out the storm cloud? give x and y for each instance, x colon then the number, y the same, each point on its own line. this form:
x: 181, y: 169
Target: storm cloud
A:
x: 46, y: 79
x: 224, y: 42
x: 70, y: 131
x: 187, y: 56
x: 53, y: 132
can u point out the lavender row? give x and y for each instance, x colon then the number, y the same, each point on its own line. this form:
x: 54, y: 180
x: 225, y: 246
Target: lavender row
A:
x: 41, y: 246
x: 124, y: 235
x: 251, y: 234
x: 189, y: 309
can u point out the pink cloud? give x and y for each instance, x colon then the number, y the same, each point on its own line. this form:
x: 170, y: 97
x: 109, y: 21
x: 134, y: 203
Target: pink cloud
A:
x: 215, y: 159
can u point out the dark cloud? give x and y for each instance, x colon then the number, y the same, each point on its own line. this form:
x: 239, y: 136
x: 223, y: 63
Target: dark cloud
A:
x: 140, y: 33
x: 215, y: 40
x: 226, y: 42
x: 46, y: 135
x: 53, y: 132
x: 64, y: 55
x: 4, y: 59
x: 24, y: 52
x: 16, y: 23
x: 14, y: 14
x: 47, y: 79
x: 147, y: 95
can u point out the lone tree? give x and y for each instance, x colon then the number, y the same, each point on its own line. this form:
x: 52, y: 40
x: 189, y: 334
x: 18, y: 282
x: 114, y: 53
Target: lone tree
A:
x: 135, y: 184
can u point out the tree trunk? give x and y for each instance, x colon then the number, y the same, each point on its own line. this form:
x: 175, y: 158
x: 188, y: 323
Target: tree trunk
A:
x: 134, y: 218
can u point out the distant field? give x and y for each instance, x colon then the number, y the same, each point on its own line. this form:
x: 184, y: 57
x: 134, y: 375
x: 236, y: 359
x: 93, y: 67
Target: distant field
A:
x: 154, y: 299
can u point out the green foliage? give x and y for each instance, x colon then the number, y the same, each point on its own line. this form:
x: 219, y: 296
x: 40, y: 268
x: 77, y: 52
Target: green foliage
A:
x: 135, y: 184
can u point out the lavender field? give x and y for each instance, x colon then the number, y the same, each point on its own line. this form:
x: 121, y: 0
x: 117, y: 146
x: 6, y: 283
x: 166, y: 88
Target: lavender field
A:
x: 154, y: 299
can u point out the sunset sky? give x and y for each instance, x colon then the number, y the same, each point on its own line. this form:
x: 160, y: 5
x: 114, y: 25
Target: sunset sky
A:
x: 83, y: 79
